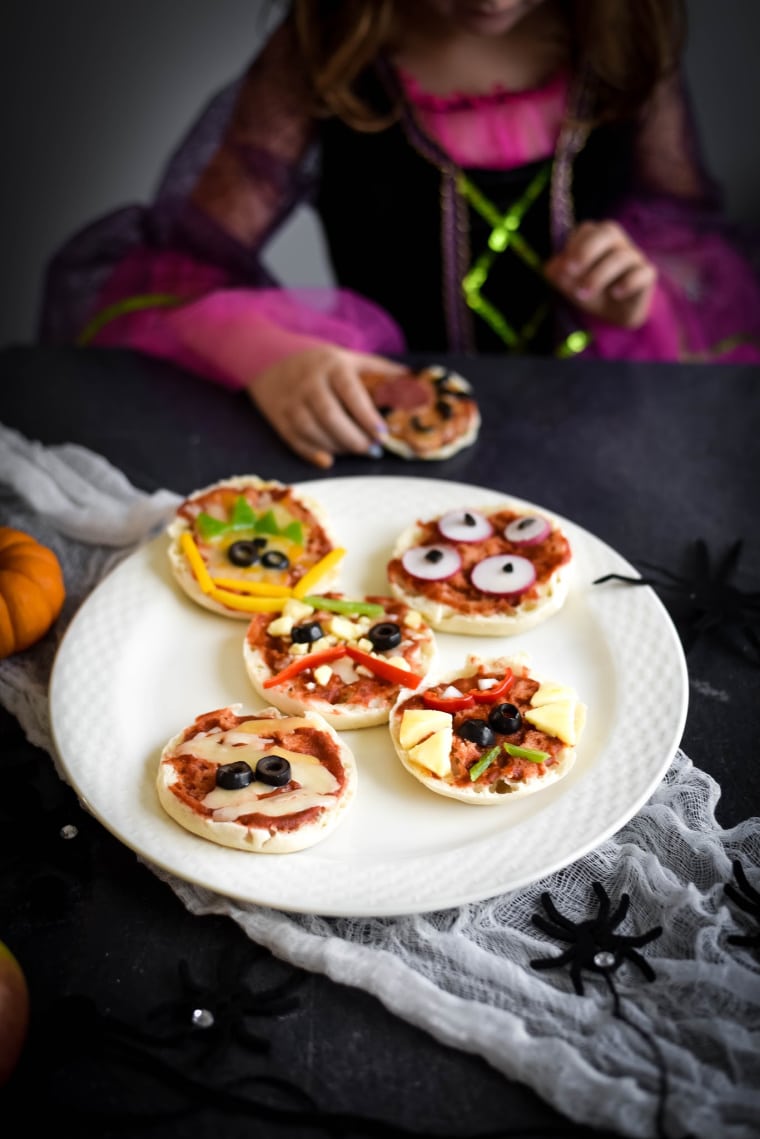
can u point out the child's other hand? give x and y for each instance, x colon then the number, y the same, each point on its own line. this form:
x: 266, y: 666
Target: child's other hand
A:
x: 315, y: 400
x: 604, y: 274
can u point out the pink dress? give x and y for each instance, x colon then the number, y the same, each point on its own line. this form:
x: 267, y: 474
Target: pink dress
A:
x: 199, y: 316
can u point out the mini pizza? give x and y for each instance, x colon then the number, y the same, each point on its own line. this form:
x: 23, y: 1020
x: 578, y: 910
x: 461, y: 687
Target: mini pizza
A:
x: 345, y: 659
x: 488, y: 732
x: 430, y: 414
x: 244, y: 545
x: 257, y: 781
x: 494, y: 571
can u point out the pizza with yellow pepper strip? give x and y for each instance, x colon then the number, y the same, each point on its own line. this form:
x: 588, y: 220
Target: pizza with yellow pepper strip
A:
x: 244, y: 545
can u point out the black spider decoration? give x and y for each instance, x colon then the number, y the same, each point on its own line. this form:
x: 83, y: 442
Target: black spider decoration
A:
x: 593, y: 944
x: 710, y: 604
x: 747, y: 898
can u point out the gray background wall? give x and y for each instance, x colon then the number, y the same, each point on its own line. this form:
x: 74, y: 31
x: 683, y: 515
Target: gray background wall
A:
x: 96, y: 92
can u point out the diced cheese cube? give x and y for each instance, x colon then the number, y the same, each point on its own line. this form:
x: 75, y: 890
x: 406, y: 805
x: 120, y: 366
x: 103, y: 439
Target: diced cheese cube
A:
x: 322, y: 674
x: 282, y: 626
x: 296, y: 609
x: 551, y: 692
x: 413, y: 619
x: 434, y: 753
x: 399, y: 662
x: 365, y: 644
x: 418, y: 723
x: 556, y: 720
x: 344, y: 629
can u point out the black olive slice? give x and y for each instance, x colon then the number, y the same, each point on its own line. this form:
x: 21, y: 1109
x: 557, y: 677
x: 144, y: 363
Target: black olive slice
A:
x: 477, y: 732
x: 243, y: 553
x: 444, y: 408
x: 420, y: 425
x: 273, y: 769
x: 233, y: 776
x: 307, y: 633
x: 384, y: 635
x: 505, y: 718
x: 275, y: 559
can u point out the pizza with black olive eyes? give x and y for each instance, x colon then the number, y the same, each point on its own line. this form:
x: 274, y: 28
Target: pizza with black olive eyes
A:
x: 492, y: 571
x: 488, y: 732
x: 345, y: 658
x: 430, y: 414
x: 257, y: 781
x: 244, y: 544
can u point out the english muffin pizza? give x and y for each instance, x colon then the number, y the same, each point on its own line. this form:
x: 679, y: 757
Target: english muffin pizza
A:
x: 430, y: 414
x: 489, y: 731
x: 345, y: 658
x: 244, y: 544
x: 257, y: 781
x: 496, y: 570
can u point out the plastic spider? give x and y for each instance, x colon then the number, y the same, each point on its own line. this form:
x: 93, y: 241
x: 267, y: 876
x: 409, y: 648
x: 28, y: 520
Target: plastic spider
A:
x: 712, y: 604
x: 747, y: 898
x: 593, y: 944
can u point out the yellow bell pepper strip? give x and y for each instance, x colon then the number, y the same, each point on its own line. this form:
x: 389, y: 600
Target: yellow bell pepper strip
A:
x: 526, y: 753
x: 197, y: 564
x: 336, y: 605
x: 485, y: 761
x: 247, y: 604
x: 377, y: 665
x: 318, y: 571
x: 261, y: 588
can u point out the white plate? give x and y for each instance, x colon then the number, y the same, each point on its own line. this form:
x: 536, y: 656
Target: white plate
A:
x: 140, y: 661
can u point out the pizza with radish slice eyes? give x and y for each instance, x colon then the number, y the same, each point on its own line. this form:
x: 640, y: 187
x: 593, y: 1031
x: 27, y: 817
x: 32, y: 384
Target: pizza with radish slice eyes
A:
x: 488, y: 732
x: 430, y: 414
x: 257, y: 781
x: 345, y: 658
x: 495, y: 570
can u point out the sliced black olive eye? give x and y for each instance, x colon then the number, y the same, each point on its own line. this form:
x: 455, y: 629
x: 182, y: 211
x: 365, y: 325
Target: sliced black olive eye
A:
x: 233, y: 776
x: 444, y: 409
x: 273, y: 769
x: 243, y: 553
x: 505, y: 718
x: 305, y: 634
x: 420, y: 425
x: 385, y: 635
x: 274, y: 559
x: 477, y: 732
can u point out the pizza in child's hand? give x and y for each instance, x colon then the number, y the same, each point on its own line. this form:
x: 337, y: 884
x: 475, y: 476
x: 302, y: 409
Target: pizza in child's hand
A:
x: 346, y: 658
x: 257, y: 781
x: 488, y: 732
x: 243, y: 544
x: 430, y: 414
x: 492, y: 571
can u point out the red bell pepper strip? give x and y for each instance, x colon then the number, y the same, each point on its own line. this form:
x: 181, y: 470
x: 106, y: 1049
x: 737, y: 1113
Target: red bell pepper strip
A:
x: 494, y: 694
x: 380, y: 667
x: 448, y: 703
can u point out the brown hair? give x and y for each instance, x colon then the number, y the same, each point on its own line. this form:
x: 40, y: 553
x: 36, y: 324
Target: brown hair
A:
x: 626, y: 47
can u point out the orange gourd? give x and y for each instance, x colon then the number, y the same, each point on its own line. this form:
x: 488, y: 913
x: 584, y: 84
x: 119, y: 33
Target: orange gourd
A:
x: 32, y: 590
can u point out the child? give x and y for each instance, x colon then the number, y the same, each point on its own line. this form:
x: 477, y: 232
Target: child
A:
x: 491, y: 175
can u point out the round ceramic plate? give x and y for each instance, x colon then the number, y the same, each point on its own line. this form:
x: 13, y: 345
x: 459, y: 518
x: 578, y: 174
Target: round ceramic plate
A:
x: 140, y: 661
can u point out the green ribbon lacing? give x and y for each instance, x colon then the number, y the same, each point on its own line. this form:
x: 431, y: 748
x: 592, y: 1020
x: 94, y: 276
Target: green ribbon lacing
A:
x: 505, y: 235
x: 120, y: 308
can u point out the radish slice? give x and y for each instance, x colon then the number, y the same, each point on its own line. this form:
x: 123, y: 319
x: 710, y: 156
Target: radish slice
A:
x: 503, y: 573
x: 465, y: 526
x: 431, y: 563
x: 528, y: 530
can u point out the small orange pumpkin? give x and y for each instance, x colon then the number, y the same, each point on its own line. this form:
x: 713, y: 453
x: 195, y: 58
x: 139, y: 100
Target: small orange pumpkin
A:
x: 32, y: 590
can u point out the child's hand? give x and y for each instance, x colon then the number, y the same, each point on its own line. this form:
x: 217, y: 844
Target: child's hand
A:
x: 604, y: 274
x: 316, y: 401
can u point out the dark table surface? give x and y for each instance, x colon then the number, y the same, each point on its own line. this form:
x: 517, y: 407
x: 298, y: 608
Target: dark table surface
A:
x: 649, y: 458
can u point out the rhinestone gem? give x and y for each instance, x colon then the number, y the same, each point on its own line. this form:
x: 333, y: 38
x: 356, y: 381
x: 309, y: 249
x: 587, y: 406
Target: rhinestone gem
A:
x: 69, y: 831
x: 202, y: 1018
x: 604, y: 960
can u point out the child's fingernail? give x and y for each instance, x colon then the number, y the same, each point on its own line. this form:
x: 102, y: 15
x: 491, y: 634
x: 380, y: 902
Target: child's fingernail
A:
x: 584, y: 294
x: 375, y: 451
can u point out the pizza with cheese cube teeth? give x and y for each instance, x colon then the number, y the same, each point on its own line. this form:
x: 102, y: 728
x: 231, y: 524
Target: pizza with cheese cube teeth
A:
x: 490, y: 571
x: 257, y: 781
x: 488, y: 732
x: 346, y: 658
x: 244, y: 544
x: 431, y: 413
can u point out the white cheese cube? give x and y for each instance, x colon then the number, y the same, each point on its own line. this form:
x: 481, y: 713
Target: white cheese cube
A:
x: 281, y: 626
x: 322, y: 674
